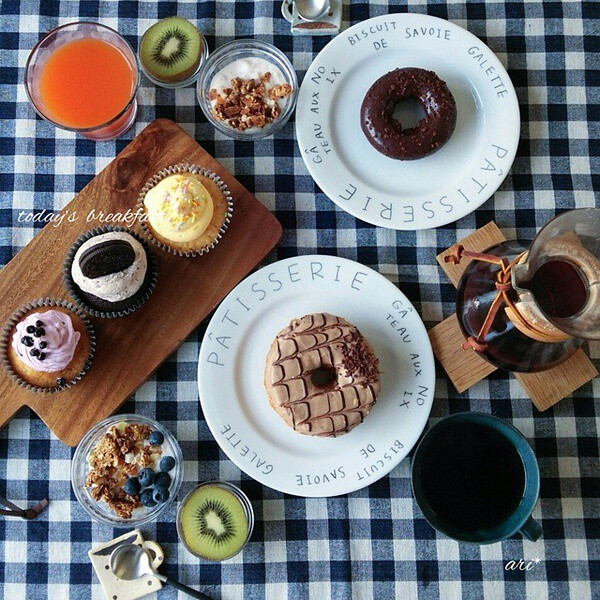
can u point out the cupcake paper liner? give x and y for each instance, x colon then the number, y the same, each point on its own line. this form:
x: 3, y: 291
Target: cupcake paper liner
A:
x: 73, y: 289
x: 196, y: 170
x: 11, y: 324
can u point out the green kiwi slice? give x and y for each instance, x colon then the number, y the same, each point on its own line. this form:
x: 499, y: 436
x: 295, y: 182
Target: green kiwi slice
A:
x: 214, y: 523
x: 171, y: 49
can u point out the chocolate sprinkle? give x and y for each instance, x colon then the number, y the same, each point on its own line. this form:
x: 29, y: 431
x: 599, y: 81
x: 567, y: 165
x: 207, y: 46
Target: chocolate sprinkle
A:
x: 358, y: 359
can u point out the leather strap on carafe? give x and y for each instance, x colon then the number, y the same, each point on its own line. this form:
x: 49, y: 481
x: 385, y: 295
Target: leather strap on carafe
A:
x: 502, y: 298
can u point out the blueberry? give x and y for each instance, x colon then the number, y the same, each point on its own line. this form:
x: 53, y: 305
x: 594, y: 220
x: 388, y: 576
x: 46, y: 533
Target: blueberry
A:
x: 39, y: 332
x: 156, y: 438
x: 167, y: 463
x: 30, y: 329
x: 42, y: 345
x: 42, y: 356
x: 162, y: 480
x: 132, y: 486
x: 39, y: 323
x: 61, y: 381
x: 27, y: 341
x: 34, y: 352
x: 160, y: 495
x: 146, y: 498
x: 146, y: 476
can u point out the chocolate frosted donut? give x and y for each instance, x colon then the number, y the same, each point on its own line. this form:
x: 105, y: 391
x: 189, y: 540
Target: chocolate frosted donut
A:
x: 385, y: 133
x: 321, y: 375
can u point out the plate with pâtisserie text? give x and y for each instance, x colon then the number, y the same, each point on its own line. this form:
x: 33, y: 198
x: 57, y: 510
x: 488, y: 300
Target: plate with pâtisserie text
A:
x: 407, y: 194
x: 232, y: 365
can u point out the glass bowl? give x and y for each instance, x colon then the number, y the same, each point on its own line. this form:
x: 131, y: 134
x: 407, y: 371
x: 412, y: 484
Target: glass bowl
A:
x: 244, y: 501
x: 235, y: 50
x: 173, y: 85
x: 99, y: 510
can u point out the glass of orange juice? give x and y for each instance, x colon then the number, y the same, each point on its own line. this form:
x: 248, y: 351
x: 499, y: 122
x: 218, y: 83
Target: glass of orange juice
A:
x: 84, y: 77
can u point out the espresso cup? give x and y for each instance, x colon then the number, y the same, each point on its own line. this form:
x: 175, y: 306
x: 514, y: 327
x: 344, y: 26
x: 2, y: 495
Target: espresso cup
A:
x: 476, y: 479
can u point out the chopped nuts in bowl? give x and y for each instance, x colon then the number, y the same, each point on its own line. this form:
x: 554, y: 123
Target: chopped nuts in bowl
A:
x: 249, y: 102
x: 126, y: 470
x: 247, y: 89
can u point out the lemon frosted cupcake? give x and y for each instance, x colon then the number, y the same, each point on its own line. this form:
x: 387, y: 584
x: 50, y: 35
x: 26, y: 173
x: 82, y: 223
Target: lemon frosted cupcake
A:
x: 187, y: 209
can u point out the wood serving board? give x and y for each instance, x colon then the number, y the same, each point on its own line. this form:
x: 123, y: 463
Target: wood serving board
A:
x: 188, y: 289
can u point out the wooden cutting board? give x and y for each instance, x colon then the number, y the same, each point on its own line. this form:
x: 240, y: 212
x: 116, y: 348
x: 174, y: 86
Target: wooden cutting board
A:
x: 188, y: 289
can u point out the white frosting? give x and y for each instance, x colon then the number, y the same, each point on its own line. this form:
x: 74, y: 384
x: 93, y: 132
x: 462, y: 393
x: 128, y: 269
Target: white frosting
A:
x: 114, y: 287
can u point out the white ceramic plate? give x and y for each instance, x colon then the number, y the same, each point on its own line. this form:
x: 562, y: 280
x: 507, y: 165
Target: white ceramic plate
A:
x: 232, y: 361
x: 416, y: 194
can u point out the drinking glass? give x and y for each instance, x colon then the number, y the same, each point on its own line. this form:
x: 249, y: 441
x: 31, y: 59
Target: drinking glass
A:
x: 119, y: 123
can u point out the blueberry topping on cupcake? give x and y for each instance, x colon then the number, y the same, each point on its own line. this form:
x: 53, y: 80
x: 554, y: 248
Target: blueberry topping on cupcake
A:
x: 27, y: 341
x: 30, y: 328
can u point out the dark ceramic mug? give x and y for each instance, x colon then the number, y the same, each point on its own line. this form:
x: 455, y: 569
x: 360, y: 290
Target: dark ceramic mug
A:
x: 437, y: 501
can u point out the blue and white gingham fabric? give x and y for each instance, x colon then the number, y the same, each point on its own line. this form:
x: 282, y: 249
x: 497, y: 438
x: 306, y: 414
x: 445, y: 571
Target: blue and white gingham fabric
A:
x: 373, y: 543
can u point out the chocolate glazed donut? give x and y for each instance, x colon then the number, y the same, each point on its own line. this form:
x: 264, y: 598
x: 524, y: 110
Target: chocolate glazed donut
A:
x: 385, y: 133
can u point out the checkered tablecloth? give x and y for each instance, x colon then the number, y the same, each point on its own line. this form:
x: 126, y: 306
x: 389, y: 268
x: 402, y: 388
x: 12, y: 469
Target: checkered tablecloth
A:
x: 373, y: 543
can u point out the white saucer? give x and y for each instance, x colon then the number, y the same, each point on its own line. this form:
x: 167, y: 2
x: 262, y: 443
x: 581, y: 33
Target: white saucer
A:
x: 232, y: 362
x: 416, y: 194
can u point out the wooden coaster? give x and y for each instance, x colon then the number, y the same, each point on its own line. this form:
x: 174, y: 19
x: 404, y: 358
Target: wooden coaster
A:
x: 188, y: 289
x: 465, y: 368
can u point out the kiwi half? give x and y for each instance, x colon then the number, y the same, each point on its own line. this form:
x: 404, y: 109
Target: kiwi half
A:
x: 170, y: 50
x: 214, y: 523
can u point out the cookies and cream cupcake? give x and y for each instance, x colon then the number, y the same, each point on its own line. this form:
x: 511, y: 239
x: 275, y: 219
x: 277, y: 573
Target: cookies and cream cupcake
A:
x: 47, y: 345
x: 321, y: 375
x: 187, y: 209
x: 110, y: 272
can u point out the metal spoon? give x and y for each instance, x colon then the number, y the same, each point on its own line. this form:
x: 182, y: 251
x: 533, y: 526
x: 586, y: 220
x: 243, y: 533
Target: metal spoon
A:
x: 130, y: 561
x: 312, y: 10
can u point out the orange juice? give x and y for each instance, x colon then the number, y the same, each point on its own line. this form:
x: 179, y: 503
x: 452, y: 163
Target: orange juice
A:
x: 85, y: 83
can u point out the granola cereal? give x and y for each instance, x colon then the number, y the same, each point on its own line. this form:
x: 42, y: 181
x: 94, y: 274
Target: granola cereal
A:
x: 120, y: 453
x: 249, y: 102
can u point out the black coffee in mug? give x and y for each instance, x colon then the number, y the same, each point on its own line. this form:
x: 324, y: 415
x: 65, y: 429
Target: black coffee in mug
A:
x: 475, y: 477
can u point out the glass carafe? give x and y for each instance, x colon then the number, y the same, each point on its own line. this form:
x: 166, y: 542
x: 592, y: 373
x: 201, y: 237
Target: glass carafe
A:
x: 528, y: 309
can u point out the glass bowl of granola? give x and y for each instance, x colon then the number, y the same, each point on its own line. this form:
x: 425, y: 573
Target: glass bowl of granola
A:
x: 247, y: 89
x: 127, y: 470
